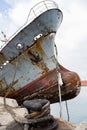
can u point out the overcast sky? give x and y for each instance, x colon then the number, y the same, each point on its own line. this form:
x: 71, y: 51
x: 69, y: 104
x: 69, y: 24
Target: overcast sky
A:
x: 71, y: 38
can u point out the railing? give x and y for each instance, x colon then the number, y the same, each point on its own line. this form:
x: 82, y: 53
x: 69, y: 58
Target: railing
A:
x: 34, y: 12
x: 40, y: 8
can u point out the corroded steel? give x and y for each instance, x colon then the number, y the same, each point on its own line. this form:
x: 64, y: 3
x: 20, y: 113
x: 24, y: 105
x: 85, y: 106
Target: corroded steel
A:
x: 27, y: 66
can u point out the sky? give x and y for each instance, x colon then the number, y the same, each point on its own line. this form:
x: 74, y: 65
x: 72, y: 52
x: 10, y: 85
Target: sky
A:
x: 71, y: 37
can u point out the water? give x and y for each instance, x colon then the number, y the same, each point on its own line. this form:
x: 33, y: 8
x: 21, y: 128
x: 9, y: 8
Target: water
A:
x: 77, y: 107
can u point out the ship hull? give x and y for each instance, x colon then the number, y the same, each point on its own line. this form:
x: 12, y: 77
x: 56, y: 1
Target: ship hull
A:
x: 47, y: 87
x: 28, y: 66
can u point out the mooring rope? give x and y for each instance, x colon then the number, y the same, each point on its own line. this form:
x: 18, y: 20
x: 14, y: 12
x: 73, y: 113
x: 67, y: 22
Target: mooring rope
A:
x: 34, y: 117
x: 8, y: 108
x: 59, y: 86
x: 67, y: 110
x: 59, y: 76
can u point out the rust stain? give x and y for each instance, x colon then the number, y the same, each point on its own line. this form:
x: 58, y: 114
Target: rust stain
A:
x: 2, y: 57
x: 45, y: 87
x: 36, y: 48
x: 36, y: 85
x: 43, y: 66
x: 36, y: 59
x: 36, y: 45
x: 34, y: 56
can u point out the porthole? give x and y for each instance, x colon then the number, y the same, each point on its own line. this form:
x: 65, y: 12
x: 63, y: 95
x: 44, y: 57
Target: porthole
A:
x: 19, y: 46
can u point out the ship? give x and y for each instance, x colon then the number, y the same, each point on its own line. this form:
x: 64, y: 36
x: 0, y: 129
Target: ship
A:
x: 28, y: 65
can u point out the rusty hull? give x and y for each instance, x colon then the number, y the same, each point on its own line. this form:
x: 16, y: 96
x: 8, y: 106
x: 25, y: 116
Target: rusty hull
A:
x: 27, y: 63
x: 44, y: 86
x: 47, y: 87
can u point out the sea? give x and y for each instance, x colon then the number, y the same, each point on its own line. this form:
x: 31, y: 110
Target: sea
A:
x: 77, y: 108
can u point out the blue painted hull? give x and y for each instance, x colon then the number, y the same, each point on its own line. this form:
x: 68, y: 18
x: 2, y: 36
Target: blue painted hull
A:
x: 28, y: 57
